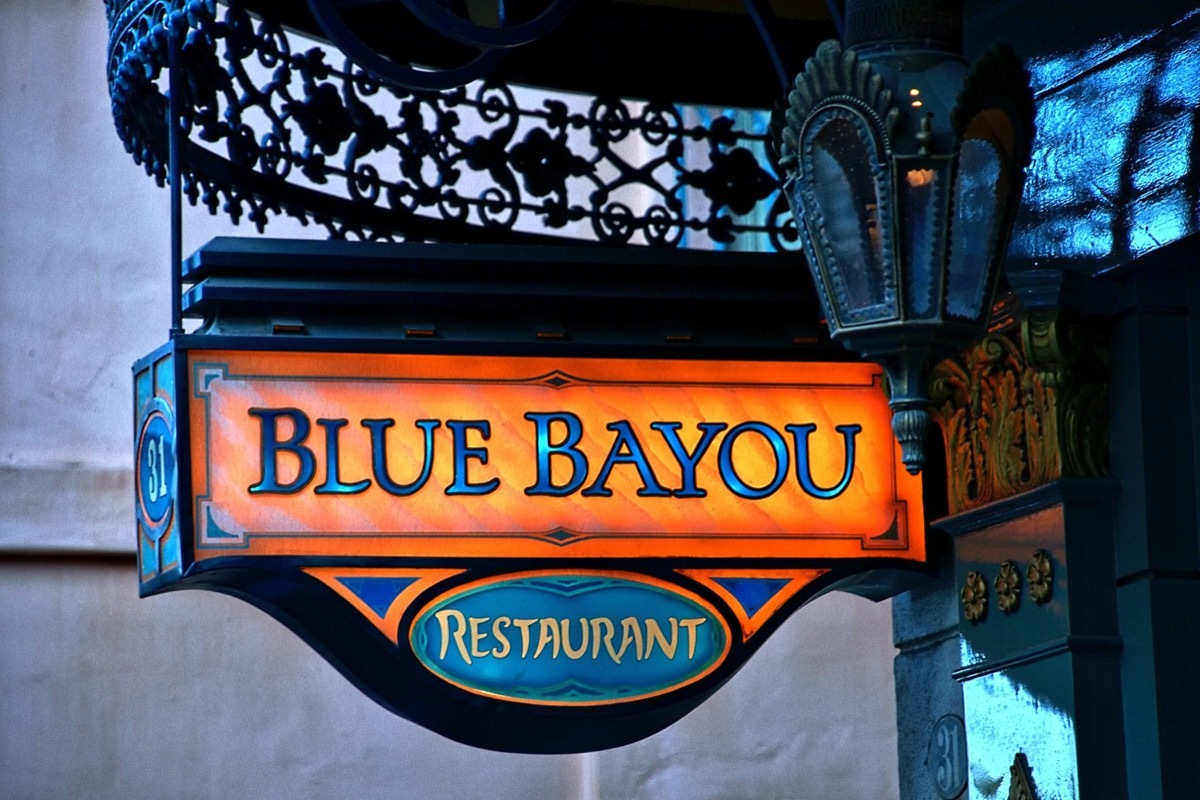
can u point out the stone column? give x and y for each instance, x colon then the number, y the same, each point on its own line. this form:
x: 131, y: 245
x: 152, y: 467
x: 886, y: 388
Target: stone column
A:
x: 931, y: 738
x: 1155, y: 451
x: 1025, y: 618
x: 1040, y: 651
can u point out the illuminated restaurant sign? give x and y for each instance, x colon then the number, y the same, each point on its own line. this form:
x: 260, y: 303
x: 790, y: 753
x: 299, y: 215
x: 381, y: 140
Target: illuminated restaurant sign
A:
x: 500, y: 548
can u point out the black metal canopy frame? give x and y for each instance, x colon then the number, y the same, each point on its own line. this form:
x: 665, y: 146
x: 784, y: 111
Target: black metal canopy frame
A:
x: 275, y: 122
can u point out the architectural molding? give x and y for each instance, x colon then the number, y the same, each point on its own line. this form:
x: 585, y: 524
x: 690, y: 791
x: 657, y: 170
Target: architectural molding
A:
x: 1079, y: 644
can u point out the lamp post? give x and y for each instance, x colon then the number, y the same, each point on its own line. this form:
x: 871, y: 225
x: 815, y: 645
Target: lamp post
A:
x: 905, y: 167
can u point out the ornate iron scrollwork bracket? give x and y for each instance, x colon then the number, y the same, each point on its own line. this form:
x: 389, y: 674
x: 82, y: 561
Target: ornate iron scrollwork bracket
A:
x: 279, y: 124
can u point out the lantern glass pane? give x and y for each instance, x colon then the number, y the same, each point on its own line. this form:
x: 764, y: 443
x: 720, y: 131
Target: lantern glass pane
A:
x: 978, y: 200
x: 850, y: 215
x: 924, y: 195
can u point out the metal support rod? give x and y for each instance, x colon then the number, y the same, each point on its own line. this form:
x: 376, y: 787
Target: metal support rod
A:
x: 174, y: 140
x: 778, y: 50
x: 839, y: 18
x: 767, y: 25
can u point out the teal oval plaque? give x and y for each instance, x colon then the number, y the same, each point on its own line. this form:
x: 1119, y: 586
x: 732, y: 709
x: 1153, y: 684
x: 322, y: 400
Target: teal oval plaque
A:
x: 570, y: 638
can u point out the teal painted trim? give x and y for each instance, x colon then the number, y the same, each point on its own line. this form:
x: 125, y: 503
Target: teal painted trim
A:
x: 215, y: 531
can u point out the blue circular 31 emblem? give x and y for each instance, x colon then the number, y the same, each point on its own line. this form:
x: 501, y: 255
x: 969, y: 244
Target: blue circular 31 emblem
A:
x: 155, y: 470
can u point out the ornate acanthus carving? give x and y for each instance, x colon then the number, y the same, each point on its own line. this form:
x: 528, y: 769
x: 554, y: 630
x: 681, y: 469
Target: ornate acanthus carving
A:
x: 1023, y: 408
x: 834, y: 77
x: 1021, y: 785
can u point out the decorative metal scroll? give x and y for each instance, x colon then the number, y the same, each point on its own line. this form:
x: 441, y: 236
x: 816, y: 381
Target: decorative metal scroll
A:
x: 279, y: 126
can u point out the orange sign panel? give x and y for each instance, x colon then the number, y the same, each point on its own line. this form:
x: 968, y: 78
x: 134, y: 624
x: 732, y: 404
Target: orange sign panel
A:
x: 539, y: 457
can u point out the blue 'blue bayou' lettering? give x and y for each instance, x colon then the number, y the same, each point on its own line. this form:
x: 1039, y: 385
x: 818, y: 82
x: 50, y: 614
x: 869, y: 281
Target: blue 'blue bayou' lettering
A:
x: 557, y: 440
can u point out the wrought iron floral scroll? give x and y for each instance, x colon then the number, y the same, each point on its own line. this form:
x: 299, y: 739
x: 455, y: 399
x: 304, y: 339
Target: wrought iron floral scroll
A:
x: 278, y: 125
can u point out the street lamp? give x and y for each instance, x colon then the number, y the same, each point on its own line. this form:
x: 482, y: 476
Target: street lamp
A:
x: 905, y: 168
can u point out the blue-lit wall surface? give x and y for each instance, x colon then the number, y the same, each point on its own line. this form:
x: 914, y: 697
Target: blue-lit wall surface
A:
x: 1042, y: 678
x: 1116, y: 163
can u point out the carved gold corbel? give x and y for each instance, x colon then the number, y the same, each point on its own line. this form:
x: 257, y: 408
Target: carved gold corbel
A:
x: 1026, y: 406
